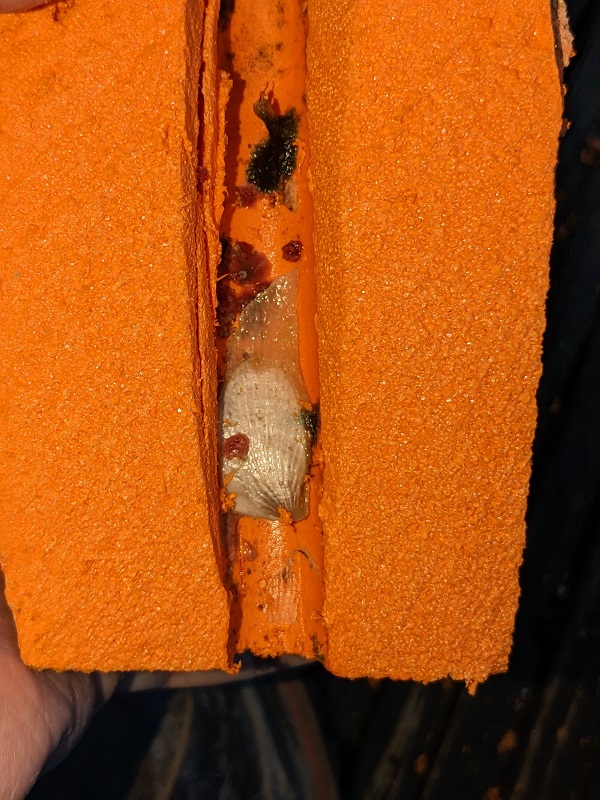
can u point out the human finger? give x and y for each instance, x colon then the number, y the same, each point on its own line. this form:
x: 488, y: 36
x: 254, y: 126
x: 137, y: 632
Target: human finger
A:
x: 42, y: 714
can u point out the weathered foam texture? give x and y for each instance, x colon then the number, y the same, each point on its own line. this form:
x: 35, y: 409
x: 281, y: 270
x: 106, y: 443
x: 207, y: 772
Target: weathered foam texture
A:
x: 433, y: 143
x: 104, y: 535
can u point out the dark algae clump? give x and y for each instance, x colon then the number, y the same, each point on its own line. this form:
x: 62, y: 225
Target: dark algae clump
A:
x: 273, y: 160
x: 311, y: 419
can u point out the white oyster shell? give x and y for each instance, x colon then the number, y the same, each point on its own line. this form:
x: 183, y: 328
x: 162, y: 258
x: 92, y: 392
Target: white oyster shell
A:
x: 264, y: 398
x: 261, y: 403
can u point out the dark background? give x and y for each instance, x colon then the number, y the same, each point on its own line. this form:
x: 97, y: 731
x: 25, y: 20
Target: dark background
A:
x: 532, y: 734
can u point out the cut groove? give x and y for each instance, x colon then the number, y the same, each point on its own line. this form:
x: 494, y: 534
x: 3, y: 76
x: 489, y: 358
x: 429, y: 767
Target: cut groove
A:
x: 266, y: 338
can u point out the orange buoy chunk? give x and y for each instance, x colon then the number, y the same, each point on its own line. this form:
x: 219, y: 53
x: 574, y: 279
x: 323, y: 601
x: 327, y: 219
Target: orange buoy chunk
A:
x: 108, y: 482
x: 432, y: 137
x: 433, y: 141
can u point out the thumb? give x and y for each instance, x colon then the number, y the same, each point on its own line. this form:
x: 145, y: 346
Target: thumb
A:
x: 42, y: 714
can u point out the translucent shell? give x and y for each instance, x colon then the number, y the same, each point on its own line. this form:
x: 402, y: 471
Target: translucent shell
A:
x: 262, y: 405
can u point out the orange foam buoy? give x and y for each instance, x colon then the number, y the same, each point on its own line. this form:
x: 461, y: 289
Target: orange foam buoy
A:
x: 354, y: 228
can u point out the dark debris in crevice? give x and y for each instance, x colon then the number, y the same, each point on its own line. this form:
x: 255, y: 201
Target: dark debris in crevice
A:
x: 273, y: 160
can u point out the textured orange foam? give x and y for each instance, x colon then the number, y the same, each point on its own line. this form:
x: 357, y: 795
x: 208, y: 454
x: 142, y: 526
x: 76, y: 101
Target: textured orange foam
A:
x: 104, y: 533
x: 433, y: 140
x: 434, y: 136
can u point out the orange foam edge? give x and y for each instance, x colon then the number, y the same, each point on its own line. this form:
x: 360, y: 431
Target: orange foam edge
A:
x: 107, y: 502
x: 433, y: 143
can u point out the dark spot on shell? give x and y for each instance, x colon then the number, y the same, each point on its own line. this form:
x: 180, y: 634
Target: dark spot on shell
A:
x: 236, y: 446
x: 274, y: 159
x: 311, y: 419
x: 246, y: 195
x: 292, y: 251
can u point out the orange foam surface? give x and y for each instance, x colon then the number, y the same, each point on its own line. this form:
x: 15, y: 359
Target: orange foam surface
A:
x: 433, y: 142
x: 105, y: 515
x: 433, y: 139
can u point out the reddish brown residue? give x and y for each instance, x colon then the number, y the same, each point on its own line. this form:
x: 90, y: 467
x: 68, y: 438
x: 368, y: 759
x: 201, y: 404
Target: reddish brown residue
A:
x: 249, y: 551
x: 292, y: 251
x: 230, y: 533
x: 246, y: 195
x: 202, y: 174
x: 244, y: 264
x: 243, y: 273
x: 236, y: 446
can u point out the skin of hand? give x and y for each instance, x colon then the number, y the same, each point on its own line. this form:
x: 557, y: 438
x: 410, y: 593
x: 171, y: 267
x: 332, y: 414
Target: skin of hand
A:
x: 44, y: 713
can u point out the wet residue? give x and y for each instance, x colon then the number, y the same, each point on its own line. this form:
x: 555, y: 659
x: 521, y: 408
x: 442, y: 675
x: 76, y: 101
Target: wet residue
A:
x: 243, y: 273
x: 246, y: 195
x: 292, y: 251
x: 236, y: 446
